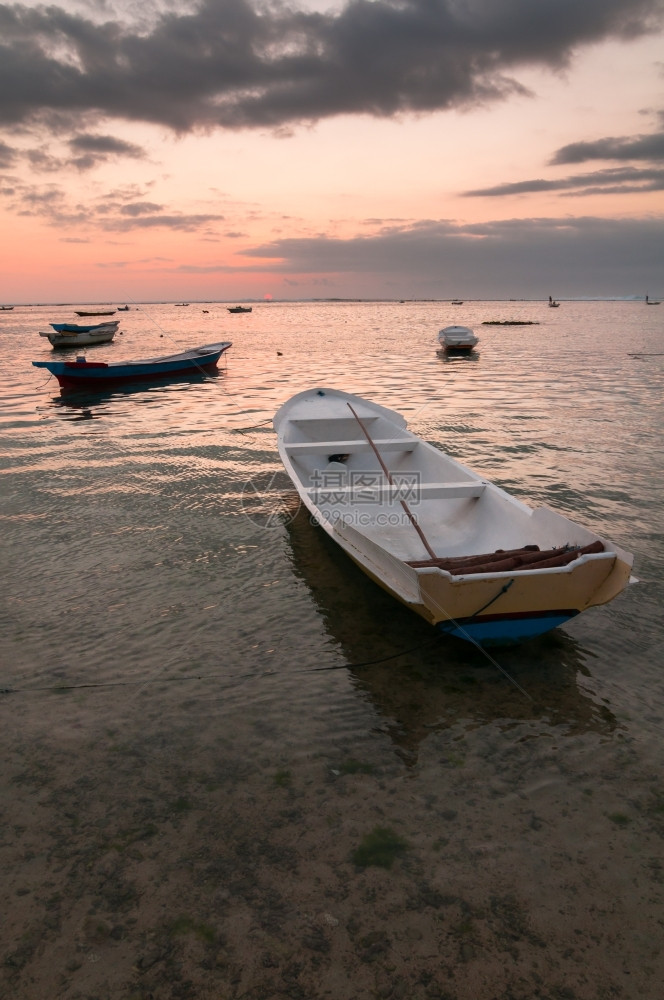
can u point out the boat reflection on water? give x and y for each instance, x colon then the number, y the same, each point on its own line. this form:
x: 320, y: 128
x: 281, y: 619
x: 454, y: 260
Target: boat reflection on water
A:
x: 454, y: 357
x: 420, y: 681
x: 87, y: 404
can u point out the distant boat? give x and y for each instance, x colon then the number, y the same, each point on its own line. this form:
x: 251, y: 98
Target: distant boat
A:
x: 469, y: 558
x: 86, y: 374
x: 510, y: 322
x: 649, y: 302
x: 457, y: 338
x: 110, y: 312
x: 182, y: 303
x: 239, y: 309
x: 456, y: 302
x: 552, y: 303
x: 6, y: 308
x: 123, y: 309
x: 69, y: 335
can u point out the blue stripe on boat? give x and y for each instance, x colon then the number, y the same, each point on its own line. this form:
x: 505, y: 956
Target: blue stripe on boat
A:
x: 507, y: 629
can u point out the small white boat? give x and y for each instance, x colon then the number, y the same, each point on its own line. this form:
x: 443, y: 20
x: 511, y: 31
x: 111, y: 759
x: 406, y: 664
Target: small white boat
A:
x: 552, y: 303
x: 462, y: 553
x: 67, y: 335
x: 457, y: 338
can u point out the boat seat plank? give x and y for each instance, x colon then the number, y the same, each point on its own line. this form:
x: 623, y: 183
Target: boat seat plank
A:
x: 329, y: 421
x: 411, y: 492
x: 349, y: 447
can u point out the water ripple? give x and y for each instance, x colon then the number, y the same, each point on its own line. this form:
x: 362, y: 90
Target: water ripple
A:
x: 150, y: 530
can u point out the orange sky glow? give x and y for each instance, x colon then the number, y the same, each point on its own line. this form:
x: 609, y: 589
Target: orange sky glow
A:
x: 485, y: 195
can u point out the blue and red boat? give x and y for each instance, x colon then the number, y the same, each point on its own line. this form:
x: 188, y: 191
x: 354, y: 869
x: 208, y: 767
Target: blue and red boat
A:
x: 85, y: 374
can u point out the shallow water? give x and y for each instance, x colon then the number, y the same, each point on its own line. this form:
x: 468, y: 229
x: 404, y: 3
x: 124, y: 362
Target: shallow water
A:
x: 150, y: 510
x: 156, y: 561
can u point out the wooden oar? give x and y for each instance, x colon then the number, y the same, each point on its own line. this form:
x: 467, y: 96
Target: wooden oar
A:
x: 403, y: 503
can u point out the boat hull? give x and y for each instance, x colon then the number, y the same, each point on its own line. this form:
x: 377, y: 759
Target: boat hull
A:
x: 83, y: 339
x: 75, y: 381
x: 484, y: 630
x: 505, y: 631
x: 497, y: 608
x: 531, y: 570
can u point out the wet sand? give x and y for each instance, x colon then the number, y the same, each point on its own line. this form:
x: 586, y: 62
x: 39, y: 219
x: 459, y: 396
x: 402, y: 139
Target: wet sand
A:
x: 164, y: 856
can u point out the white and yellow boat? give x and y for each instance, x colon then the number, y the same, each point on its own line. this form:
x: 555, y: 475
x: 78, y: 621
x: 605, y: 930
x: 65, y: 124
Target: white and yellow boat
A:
x: 458, y: 550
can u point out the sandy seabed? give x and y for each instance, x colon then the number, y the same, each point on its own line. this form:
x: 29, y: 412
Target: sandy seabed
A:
x: 158, y: 856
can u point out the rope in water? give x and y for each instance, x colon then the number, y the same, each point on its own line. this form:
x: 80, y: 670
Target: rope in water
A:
x: 186, y: 678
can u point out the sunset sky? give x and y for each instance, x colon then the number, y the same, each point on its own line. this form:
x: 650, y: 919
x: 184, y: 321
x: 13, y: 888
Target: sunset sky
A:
x: 234, y: 149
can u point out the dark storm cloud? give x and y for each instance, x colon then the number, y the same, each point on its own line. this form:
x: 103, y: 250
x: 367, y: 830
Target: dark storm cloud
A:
x: 121, y: 211
x: 43, y: 161
x: 104, y: 144
x: 8, y: 156
x: 582, y: 256
x: 172, y: 221
x: 91, y: 150
x: 87, y: 151
x: 611, y: 181
x: 141, y: 208
x: 639, y: 147
x: 235, y: 63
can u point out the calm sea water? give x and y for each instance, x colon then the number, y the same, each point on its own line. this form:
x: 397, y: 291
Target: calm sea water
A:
x: 150, y: 536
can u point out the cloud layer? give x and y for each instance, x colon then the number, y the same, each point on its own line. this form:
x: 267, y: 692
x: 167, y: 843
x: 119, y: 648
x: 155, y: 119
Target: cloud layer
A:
x: 610, y: 181
x: 583, y: 256
x: 241, y: 64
